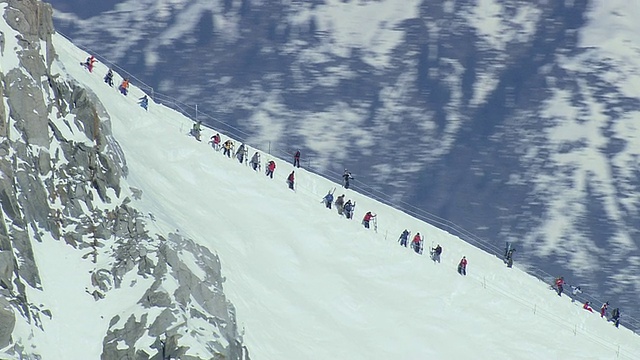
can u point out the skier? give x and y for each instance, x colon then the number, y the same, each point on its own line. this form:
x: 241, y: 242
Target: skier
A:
x: 603, y: 309
x: 124, y: 87
x: 615, y: 317
x: 346, y: 177
x: 296, y: 159
x: 144, y: 102
x: 215, y: 142
x: 340, y: 204
x: 348, y: 209
x: 404, y: 237
x: 575, y: 290
x: 195, y: 130
x: 227, y: 148
x: 290, y: 180
x: 436, y: 251
x: 91, y: 60
x: 509, y: 257
x: 328, y: 199
x: 462, y: 266
x: 559, y: 285
x: 367, y: 217
x: 255, y: 161
x: 109, y: 78
x: 587, y: 306
x: 271, y: 167
x: 416, y: 243
x: 240, y: 154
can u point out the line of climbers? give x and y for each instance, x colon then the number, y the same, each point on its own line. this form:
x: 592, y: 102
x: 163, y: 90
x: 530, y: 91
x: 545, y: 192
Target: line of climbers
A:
x: 108, y: 79
x: 559, y: 284
x: 417, y: 244
x: 242, y: 154
x: 346, y: 208
x: 196, y: 130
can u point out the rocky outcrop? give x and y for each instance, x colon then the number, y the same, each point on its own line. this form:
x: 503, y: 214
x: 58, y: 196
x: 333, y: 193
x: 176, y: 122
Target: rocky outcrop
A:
x: 196, y: 300
x: 8, y: 320
x: 56, y: 188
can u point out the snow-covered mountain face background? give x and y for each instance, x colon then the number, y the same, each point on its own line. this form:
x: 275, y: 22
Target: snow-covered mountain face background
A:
x: 516, y: 120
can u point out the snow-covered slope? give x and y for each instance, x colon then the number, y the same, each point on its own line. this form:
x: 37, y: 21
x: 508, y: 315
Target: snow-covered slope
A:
x: 515, y: 120
x: 308, y: 284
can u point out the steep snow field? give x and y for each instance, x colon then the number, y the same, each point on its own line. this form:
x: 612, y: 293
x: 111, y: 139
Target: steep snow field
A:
x: 561, y: 78
x: 308, y: 284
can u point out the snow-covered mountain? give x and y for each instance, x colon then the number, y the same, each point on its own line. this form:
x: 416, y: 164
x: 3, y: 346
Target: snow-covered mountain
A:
x: 119, y: 231
x: 83, y: 275
x: 516, y: 120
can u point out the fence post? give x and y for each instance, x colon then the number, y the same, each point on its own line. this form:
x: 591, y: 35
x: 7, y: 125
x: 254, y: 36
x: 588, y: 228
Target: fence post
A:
x: 534, y: 308
x: 269, y: 152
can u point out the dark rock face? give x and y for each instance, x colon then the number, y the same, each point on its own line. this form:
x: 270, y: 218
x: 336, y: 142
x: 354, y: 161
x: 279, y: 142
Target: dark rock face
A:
x: 7, y: 320
x: 49, y: 189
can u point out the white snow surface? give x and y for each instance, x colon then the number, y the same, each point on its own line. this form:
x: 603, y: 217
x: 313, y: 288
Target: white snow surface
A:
x: 306, y: 283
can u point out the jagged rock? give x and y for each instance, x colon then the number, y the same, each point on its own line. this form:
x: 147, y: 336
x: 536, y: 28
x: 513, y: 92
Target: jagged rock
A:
x: 28, y: 270
x: 72, y: 238
x: 5, y: 241
x: 129, y: 334
x: 7, y: 323
x: 27, y: 109
x: 169, y: 349
x: 32, y: 18
x: 145, y: 266
x: 7, y: 194
x: 33, y: 197
x: 101, y: 279
x: 4, y: 131
x: 6, y: 269
x: 44, y: 162
x: 155, y: 298
x: 164, y: 321
x: 97, y: 295
x: 137, y: 193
